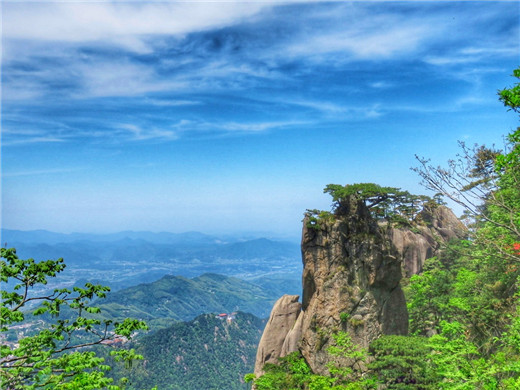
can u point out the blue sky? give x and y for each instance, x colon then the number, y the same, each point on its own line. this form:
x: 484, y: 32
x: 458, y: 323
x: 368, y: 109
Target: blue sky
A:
x: 233, y: 116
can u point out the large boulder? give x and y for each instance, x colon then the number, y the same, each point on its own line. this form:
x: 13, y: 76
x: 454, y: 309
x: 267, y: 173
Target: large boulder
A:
x: 282, y: 319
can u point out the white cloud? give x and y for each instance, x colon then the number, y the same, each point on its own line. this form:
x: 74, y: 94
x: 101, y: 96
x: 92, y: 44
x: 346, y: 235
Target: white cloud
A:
x: 323, y: 106
x: 338, y: 110
x: 122, y: 78
x: 141, y: 133
x: 31, y: 140
x: 382, y: 85
x: 222, y: 128
x: 40, y: 172
x: 171, y: 103
x: 257, y: 127
x: 473, y: 55
x: 377, y: 44
x: 126, y: 24
x: 365, y: 33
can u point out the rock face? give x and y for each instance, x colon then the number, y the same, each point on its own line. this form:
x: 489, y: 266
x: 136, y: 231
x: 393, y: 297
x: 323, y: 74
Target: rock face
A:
x: 283, y: 316
x: 439, y: 226
x: 351, y: 275
x: 350, y: 282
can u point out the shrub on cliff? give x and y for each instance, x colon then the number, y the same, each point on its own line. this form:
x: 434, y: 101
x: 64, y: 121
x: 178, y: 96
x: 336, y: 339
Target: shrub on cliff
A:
x: 384, y: 203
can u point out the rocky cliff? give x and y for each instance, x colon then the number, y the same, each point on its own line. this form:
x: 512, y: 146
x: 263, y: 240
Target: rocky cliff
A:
x: 436, y: 227
x: 351, y: 281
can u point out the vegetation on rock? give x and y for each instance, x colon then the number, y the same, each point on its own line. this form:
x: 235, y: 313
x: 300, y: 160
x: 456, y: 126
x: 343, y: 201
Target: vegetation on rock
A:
x: 293, y: 372
x: 399, y: 207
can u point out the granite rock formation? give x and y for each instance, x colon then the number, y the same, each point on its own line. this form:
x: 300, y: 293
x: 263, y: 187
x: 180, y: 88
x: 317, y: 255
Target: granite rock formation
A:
x: 438, y: 226
x: 351, y: 282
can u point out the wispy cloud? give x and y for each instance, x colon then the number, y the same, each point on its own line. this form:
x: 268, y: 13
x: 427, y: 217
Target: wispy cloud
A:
x: 138, y: 133
x: 257, y: 127
x: 170, y: 102
x: 352, y: 43
x: 122, y: 78
x: 382, y: 84
x: 31, y: 140
x: 40, y: 172
x: 472, y: 55
x: 319, y: 105
x: 190, y: 127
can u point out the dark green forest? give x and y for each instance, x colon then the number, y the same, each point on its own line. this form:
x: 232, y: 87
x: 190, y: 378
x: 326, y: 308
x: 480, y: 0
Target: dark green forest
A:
x: 205, y: 353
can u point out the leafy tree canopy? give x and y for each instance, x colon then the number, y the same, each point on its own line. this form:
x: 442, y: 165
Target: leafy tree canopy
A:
x: 511, y: 96
x: 58, y: 355
x: 384, y: 202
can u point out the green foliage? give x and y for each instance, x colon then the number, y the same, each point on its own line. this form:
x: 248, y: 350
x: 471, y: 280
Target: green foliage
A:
x: 389, y: 203
x: 468, y: 298
x: 344, y: 317
x: 463, y: 365
x: 205, y: 353
x: 429, y: 297
x: 317, y: 218
x: 341, y: 350
x: 511, y: 96
x: 292, y: 373
x: 403, y: 362
x: 58, y: 356
x: 345, y: 370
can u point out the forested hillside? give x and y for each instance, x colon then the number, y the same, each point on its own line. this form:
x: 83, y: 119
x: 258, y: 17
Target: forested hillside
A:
x: 175, y: 298
x: 209, y: 352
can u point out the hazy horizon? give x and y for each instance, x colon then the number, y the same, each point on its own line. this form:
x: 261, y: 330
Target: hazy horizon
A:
x: 233, y: 116
x: 240, y: 235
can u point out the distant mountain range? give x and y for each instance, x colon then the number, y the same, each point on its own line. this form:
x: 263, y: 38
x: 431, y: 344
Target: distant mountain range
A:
x: 129, y: 258
x: 51, y: 238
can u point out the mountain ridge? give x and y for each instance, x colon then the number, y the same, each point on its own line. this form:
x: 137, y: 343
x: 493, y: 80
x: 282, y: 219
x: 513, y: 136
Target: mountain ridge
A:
x: 177, y: 298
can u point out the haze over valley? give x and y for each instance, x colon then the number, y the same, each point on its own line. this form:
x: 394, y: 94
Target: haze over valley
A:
x: 126, y: 259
